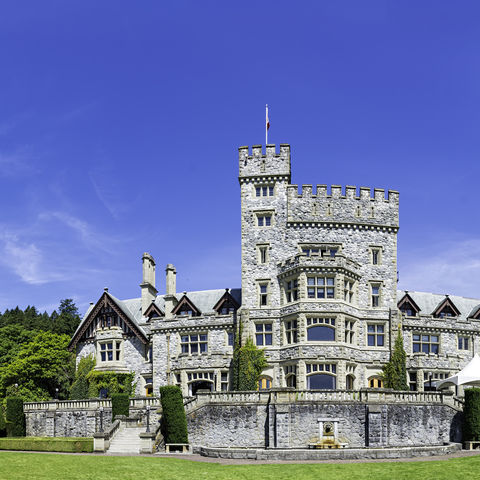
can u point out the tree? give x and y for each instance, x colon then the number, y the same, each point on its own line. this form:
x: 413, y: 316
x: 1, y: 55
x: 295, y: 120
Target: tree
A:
x: 248, y: 363
x: 67, y: 320
x: 395, y: 371
x: 12, y: 338
x: 41, y: 366
x: 79, y: 390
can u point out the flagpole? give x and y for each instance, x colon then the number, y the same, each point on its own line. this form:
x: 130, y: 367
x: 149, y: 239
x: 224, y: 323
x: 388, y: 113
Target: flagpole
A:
x: 266, y: 124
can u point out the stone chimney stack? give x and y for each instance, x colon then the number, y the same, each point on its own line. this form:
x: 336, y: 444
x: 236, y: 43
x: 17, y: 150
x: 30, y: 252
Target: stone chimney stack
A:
x: 171, y: 287
x: 149, y: 292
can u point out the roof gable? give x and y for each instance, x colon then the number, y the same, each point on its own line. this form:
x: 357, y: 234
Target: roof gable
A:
x: 446, y: 309
x: 186, y: 305
x: 408, y: 302
x: 107, y: 300
x: 153, y: 311
x: 226, y: 301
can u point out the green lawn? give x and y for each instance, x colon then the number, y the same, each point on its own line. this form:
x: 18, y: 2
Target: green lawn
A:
x: 36, y: 466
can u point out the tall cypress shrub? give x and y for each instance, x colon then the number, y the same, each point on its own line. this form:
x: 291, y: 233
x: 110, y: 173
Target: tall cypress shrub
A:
x: 174, y: 418
x: 248, y: 363
x: 120, y: 404
x: 3, y: 426
x: 395, y: 371
x: 471, y: 415
x: 15, y: 417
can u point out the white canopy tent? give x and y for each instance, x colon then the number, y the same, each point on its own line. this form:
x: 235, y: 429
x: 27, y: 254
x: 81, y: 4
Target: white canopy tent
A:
x: 469, y: 375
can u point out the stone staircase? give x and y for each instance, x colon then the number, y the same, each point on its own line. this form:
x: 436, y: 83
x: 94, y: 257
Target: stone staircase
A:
x: 126, y: 441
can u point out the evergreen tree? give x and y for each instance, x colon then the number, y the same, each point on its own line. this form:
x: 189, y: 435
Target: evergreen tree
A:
x: 248, y: 363
x: 79, y: 390
x: 395, y: 371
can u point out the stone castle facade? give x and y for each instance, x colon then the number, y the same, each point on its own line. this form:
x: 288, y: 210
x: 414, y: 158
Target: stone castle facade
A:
x: 318, y: 293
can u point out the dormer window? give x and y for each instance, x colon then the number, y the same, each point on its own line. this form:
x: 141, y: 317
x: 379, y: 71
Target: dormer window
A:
x: 227, y: 304
x: 446, y: 309
x: 186, y: 307
x: 408, y: 307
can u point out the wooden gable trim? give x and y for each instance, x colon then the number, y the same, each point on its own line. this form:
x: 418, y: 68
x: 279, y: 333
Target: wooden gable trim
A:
x: 443, y: 304
x: 226, y: 297
x: 476, y: 315
x: 186, y: 301
x: 105, y: 300
x: 408, y: 299
x: 153, y: 308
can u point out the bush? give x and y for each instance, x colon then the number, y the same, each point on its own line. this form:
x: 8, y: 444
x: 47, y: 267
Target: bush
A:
x: 471, y: 415
x: 111, y: 381
x: 15, y: 418
x: 174, y: 424
x: 79, y: 389
x: 48, y: 444
x: 248, y: 363
x: 120, y: 404
x: 3, y: 425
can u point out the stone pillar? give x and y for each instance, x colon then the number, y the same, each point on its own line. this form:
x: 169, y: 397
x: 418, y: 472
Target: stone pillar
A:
x: 301, y: 375
x: 282, y: 426
x: 376, y: 423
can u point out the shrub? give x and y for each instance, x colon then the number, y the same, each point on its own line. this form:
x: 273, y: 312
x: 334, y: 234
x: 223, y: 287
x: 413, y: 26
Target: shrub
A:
x: 120, y: 404
x: 3, y: 425
x: 471, y: 415
x: 174, y: 424
x: 79, y: 389
x: 395, y: 371
x: 48, y: 444
x: 15, y: 418
x: 248, y: 363
x: 111, y: 381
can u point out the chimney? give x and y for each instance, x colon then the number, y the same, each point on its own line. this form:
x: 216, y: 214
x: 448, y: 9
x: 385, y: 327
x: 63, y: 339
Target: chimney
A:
x: 149, y: 292
x: 171, y: 287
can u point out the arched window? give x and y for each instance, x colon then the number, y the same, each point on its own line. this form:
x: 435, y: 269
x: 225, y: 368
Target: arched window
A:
x: 321, y: 329
x: 264, y: 383
x: 321, y: 381
x: 349, y: 382
x: 375, y: 382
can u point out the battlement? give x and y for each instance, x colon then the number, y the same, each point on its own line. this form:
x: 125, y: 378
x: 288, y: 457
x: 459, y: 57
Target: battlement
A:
x: 256, y: 163
x: 345, y: 205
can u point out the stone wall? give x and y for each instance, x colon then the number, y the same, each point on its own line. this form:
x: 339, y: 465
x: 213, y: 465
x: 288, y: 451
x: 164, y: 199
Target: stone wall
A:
x: 291, y: 424
x: 81, y: 418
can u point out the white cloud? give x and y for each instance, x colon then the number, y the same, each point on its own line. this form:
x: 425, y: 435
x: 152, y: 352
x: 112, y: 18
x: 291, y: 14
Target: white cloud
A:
x: 16, y: 162
x: 26, y: 260
x: 445, y: 267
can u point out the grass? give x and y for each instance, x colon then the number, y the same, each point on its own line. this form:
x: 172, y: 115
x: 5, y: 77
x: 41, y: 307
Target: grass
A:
x: 19, y: 466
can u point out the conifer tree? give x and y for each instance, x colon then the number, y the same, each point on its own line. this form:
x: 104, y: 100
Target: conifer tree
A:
x: 395, y: 371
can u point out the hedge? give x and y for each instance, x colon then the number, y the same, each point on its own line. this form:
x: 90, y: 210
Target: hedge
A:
x: 174, y: 421
x: 120, y: 404
x: 3, y: 425
x: 471, y: 415
x: 15, y: 419
x: 48, y: 444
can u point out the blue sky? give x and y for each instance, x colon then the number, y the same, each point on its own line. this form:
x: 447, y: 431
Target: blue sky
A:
x: 120, y: 122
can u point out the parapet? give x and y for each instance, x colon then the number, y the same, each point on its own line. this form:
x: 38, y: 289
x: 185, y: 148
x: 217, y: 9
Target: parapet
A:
x: 343, y: 205
x: 259, y: 164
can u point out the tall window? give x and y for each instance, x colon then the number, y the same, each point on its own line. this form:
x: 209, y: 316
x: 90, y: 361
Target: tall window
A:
x: 321, y: 287
x: 291, y: 331
x: 349, y: 331
x: 224, y: 381
x: 375, y: 255
x: 230, y: 339
x: 263, y: 294
x: 320, y: 329
x: 348, y: 291
x: 375, y: 294
x: 462, y: 342
x: 376, y: 335
x: 264, y: 191
x: 262, y: 254
x: 291, y: 290
x: 263, y: 334
x: 291, y: 375
x: 426, y: 343
x: 194, y: 344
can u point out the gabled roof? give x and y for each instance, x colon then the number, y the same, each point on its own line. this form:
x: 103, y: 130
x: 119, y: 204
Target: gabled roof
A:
x: 408, y: 299
x: 447, y: 303
x: 475, y: 313
x: 119, y: 308
x: 153, y: 311
x: 226, y: 298
x: 186, y: 302
x: 429, y: 302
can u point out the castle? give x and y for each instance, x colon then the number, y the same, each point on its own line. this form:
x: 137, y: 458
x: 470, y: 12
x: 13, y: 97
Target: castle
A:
x: 318, y: 293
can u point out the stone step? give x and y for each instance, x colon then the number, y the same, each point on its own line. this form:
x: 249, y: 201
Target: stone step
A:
x: 127, y: 440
